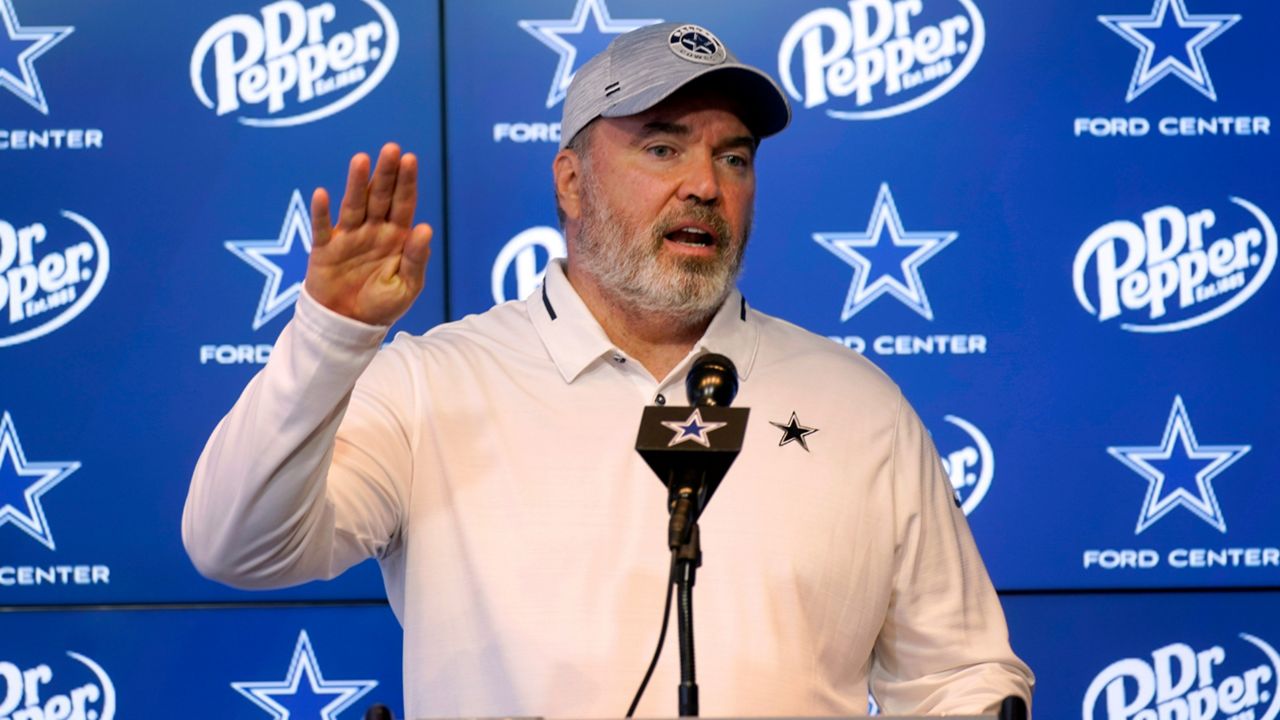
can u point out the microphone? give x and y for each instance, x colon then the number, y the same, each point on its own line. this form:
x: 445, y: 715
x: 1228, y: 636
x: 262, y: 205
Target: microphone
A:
x: 713, y: 381
x: 691, y: 448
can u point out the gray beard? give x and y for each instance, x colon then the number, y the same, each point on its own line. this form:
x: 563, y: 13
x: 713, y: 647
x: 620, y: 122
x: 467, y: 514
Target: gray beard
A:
x: 637, y: 274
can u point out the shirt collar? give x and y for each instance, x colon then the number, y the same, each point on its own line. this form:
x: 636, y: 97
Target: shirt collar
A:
x: 575, y: 340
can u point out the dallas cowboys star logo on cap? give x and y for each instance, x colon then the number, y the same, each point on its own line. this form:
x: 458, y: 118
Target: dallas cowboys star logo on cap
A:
x: 283, y: 261
x: 697, y: 44
x: 23, y: 482
x: 589, y: 39
x: 886, y: 258
x: 1170, y: 41
x: 315, y: 698
x: 695, y: 429
x: 1179, y: 471
x: 793, y: 431
x: 19, y: 48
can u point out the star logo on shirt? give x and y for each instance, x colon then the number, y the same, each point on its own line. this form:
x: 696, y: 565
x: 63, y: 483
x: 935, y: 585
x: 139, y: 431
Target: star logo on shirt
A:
x: 19, y: 48
x: 1170, y: 41
x: 695, y: 429
x: 22, y: 483
x: 296, y: 699
x: 1179, y: 471
x: 283, y: 260
x: 886, y: 258
x: 793, y: 431
x: 591, y: 29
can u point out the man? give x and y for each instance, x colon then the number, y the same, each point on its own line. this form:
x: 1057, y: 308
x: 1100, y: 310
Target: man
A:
x: 488, y: 464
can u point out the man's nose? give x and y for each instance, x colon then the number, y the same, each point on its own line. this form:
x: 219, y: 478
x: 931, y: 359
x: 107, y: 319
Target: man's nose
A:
x: 700, y: 183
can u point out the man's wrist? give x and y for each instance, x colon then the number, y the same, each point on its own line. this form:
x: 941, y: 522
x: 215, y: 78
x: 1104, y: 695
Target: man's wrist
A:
x: 335, y: 327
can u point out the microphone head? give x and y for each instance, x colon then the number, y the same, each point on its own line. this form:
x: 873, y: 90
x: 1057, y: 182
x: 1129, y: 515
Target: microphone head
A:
x: 713, y: 380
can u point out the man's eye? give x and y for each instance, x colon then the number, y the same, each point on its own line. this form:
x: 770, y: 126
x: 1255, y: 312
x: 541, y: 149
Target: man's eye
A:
x: 661, y: 151
x: 738, y: 161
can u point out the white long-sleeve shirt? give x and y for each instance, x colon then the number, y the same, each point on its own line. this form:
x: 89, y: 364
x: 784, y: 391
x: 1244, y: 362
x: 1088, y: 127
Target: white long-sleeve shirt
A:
x: 489, y: 465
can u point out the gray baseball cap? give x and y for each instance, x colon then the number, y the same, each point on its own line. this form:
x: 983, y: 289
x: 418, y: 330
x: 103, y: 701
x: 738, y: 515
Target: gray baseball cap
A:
x: 643, y: 67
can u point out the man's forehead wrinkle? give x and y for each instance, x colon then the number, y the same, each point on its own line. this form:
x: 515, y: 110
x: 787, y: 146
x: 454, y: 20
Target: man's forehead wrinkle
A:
x: 664, y: 127
x: 667, y: 127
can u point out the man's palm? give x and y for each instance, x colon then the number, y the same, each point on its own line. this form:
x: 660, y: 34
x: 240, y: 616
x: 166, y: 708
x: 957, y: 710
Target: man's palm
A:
x: 370, y: 266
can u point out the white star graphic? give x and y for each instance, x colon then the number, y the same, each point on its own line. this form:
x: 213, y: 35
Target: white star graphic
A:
x: 278, y: 295
x: 16, y: 475
x: 552, y: 34
x: 265, y: 694
x: 1187, y: 64
x: 695, y: 429
x: 41, y: 39
x: 1178, y: 432
x: 856, y: 249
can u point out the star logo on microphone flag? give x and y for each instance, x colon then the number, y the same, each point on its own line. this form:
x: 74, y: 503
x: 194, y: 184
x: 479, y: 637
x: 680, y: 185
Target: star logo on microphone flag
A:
x: 23, y: 482
x: 312, y: 697
x: 592, y: 29
x: 695, y: 429
x: 1179, y: 471
x: 1170, y: 41
x: 793, y: 431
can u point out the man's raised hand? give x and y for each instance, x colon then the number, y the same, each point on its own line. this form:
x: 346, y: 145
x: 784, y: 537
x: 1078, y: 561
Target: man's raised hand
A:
x: 370, y: 266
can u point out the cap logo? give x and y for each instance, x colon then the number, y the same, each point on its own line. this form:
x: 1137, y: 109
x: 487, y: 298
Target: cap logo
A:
x: 696, y: 44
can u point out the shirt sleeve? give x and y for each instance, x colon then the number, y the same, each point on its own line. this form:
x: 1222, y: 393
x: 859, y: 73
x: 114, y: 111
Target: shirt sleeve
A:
x: 301, y: 480
x: 944, y: 646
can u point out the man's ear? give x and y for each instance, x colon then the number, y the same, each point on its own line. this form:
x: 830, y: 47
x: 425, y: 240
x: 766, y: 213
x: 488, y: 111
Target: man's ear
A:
x: 567, y: 171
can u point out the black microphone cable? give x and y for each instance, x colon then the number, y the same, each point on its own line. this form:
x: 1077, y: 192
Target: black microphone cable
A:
x: 662, y: 636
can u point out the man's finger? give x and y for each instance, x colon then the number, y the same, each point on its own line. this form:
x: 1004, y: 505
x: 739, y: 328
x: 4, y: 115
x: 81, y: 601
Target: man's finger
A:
x: 351, y: 214
x: 384, y: 183
x: 413, y: 260
x: 406, y: 194
x: 321, y: 226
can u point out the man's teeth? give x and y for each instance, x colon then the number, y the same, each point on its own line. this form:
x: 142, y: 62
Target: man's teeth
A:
x: 691, y: 236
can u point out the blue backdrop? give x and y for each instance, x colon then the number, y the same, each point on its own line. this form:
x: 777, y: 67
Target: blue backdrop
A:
x: 1051, y: 223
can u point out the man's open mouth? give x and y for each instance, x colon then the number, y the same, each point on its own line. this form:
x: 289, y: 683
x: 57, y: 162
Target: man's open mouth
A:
x: 692, y: 236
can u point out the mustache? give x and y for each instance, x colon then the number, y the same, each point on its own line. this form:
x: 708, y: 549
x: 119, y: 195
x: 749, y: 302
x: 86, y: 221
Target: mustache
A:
x: 694, y: 214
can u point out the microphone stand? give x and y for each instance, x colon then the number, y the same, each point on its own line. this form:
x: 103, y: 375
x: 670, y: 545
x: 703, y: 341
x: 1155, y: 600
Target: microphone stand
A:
x: 685, y: 545
x: 691, y: 475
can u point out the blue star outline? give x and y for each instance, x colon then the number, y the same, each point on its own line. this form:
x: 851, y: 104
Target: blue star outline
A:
x: 1181, y: 463
x: 1170, y: 41
x: 895, y: 254
x: 282, y: 260
x: 23, y: 482
x: 292, y: 699
x: 588, y: 41
x: 19, y: 48
x: 695, y: 429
